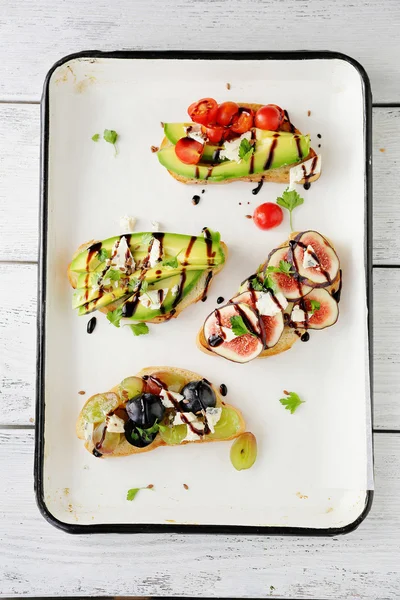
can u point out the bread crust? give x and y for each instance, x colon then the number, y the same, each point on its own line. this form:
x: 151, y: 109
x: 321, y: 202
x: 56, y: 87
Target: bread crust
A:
x: 126, y: 449
x: 279, y: 175
x: 288, y: 337
x: 194, y: 296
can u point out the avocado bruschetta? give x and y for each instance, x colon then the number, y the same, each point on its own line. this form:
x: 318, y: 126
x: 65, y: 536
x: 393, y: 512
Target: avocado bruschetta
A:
x: 144, y: 277
x: 237, y: 141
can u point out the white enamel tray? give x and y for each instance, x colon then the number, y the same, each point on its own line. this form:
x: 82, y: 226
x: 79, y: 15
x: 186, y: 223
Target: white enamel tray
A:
x: 313, y: 473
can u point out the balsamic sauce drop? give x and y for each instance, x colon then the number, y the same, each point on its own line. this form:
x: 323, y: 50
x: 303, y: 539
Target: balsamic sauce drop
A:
x: 258, y: 188
x: 223, y: 389
x: 91, y: 325
x: 220, y: 300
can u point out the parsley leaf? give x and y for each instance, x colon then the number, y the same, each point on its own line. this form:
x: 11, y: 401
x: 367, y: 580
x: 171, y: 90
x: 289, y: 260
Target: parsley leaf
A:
x: 256, y: 285
x: 114, y: 316
x: 147, y: 238
x: 171, y: 263
x: 291, y: 402
x: 111, y: 137
x: 144, y: 287
x: 269, y: 283
x: 245, y: 149
x: 139, y: 329
x: 131, y: 494
x: 133, y: 284
x: 238, y: 326
x: 284, y: 267
x: 103, y: 254
x: 96, y: 137
x: 114, y: 275
x: 315, y: 305
x: 290, y: 200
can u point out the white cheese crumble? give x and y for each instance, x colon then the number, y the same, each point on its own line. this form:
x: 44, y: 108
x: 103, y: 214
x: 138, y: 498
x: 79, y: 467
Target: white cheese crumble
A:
x: 308, y: 260
x: 121, y: 255
x: 175, y: 290
x: 230, y: 150
x: 88, y: 431
x: 155, y: 225
x: 127, y: 223
x: 298, y: 172
x: 165, y: 396
x: 191, y: 436
x: 298, y: 315
x: 228, y: 334
x: 115, y: 424
x: 152, y: 300
x: 179, y: 419
x: 155, y: 252
x: 213, y: 415
x: 266, y: 305
x: 195, y: 132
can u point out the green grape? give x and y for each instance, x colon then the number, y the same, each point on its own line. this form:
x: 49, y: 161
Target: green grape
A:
x: 98, y: 406
x: 244, y: 451
x: 131, y: 387
x: 173, y: 381
x: 173, y: 435
x: 110, y: 441
x: 227, y: 426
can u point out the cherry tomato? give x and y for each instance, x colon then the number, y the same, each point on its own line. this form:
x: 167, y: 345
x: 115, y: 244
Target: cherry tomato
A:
x: 215, y: 133
x: 226, y: 112
x: 243, y: 121
x: 204, y: 111
x: 268, y: 215
x: 189, y: 151
x: 269, y: 117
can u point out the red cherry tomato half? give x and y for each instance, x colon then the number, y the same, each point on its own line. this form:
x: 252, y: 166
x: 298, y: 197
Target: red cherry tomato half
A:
x: 189, y: 151
x: 269, y: 117
x: 226, y: 112
x: 204, y: 111
x: 215, y: 133
x: 243, y: 121
x: 268, y: 215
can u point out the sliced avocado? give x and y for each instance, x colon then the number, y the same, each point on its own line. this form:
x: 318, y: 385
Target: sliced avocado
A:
x: 271, y: 151
x: 175, y: 131
x: 173, y: 244
x: 191, y: 278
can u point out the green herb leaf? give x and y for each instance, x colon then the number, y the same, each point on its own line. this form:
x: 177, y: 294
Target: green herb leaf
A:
x: 139, y: 329
x: 315, y: 305
x: 285, y: 267
x: 114, y: 316
x: 110, y: 136
x: 103, y: 254
x: 238, y: 326
x: 147, y: 238
x: 131, y: 494
x: 290, y: 200
x: 133, y: 284
x: 114, y: 275
x: 170, y: 263
x: 245, y: 149
x: 291, y: 402
x: 256, y: 285
x: 144, y: 287
x: 96, y: 137
x: 147, y: 434
x: 269, y: 283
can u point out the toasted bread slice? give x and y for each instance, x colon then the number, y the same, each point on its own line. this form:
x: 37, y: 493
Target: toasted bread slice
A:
x: 288, y: 337
x: 194, y: 296
x: 280, y: 175
x: 125, y: 448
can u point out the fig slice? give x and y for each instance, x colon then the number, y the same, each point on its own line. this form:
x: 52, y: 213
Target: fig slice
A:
x: 312, y: 248
x: 273, y: 324
x: 221, y: 339
x: 291, y: 286
x: 325, y: 316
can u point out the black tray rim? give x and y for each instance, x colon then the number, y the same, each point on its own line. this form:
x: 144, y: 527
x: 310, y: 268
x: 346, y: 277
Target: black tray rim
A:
x: 41, y: 289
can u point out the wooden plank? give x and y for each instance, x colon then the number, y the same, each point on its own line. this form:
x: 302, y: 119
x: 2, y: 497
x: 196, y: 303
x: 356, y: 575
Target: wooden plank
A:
x: 17, y: 346
x: 363, y: 565
x: 72, y: 26
x: 19, y: 189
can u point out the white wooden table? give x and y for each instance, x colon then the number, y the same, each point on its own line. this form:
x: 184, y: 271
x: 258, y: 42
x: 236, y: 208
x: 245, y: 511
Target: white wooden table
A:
x: 37, y: 559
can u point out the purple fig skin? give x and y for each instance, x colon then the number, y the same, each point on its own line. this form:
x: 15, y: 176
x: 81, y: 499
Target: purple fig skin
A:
x: 291, y: 260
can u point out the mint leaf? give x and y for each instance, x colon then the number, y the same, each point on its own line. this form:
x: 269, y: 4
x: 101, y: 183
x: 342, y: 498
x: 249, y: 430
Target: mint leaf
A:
x: 114, y: 275
x: 96, y: 137
x: 238, y: 326
x: 103, y: 254
x: 114, y: 316
x: 131, y: 494
x: 290, y: 200
x: 291, y: 402
x: 315, y: 305
x: 245, y: 149
x: 139, y: 329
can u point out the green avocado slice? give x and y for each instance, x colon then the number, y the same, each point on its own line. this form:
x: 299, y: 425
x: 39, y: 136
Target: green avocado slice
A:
x: 272, y: 150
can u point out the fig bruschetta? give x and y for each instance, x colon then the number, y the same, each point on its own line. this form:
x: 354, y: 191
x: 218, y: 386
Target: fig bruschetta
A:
x: 296, y: 290
x: 237, y: 142
x: 160, y: 406
x: 144, y: 277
